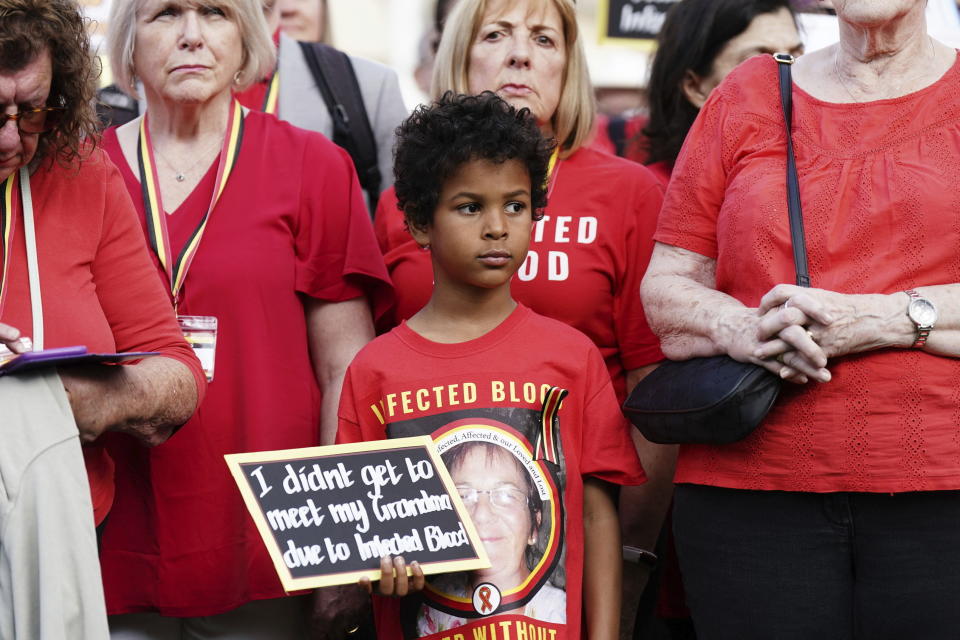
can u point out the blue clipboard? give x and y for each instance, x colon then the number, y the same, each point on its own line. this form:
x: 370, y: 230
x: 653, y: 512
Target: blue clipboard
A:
x: 66, y: 356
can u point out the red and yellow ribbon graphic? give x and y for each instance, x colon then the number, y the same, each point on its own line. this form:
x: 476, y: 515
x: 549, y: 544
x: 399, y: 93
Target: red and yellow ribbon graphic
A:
x: 159, y: 238
x: 485, y: 604
x: 546, y: 447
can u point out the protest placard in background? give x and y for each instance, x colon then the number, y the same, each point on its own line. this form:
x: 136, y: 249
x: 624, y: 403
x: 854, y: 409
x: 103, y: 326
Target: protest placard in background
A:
x: 632, y: 21
x: 327, y: 514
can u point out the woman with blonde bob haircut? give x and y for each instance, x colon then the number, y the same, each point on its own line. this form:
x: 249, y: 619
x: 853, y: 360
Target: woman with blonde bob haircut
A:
x: 259, y: 54
x: 261, y: 238
x: 573, y: 120
x: 589, y: 253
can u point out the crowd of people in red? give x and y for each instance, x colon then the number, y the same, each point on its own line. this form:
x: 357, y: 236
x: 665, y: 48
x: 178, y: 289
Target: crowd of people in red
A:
x: 286, y: 284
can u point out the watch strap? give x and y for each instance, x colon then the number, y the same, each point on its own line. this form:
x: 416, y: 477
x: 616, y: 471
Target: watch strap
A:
x: 923, y: 331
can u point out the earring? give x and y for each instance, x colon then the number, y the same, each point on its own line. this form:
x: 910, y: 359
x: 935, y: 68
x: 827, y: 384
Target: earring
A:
x: 236, y: 78
x: 425, y: 247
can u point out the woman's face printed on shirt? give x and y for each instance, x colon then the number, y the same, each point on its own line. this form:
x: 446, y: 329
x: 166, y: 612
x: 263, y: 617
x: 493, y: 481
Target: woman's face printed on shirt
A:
x: 495, y: 491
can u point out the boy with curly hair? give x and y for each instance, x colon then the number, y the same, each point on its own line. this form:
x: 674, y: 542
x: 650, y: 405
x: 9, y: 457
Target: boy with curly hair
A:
x: 520, y: 406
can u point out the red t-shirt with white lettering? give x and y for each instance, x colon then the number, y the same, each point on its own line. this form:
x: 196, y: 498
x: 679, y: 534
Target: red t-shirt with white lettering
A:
x: 586, y: 260
x: 487, y: 404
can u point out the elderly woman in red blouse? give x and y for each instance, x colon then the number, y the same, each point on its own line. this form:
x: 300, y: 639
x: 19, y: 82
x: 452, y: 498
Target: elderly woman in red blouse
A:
x: 259, y: 229
x: 837, y: 518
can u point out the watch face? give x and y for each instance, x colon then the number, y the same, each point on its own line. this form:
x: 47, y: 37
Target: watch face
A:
x: 922, y: 312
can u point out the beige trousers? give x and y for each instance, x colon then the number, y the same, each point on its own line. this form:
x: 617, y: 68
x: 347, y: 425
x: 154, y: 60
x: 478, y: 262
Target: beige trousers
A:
x: 50, y: 585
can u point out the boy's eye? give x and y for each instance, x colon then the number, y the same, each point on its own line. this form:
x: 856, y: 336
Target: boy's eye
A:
x: 470, y: 208
x: 515, y: 207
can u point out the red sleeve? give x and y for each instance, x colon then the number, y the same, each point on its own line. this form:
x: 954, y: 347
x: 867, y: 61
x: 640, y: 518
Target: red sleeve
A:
x: 698, y: 183
x: 337, y: 257
x: 357, y: 385
x: 410, y: 268
x: 608, y: 452
x: 638, y: 344
x: 132, y: 297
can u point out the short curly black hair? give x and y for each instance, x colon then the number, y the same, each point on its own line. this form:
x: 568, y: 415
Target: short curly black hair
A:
x: 438, y: 138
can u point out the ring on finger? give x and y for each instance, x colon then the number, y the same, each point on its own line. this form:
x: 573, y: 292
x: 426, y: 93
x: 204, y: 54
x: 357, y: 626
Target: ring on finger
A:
x: 810, y: 335
x: 779, y: 358
x: 786, y: 305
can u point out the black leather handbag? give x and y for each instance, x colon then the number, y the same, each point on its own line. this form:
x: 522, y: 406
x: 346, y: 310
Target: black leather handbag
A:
x: 718, y: 400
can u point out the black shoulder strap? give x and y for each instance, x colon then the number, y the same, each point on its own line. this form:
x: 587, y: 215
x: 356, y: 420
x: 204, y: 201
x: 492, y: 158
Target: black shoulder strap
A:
x: 338, y: 85
x: 797, y: 237
x: 114, y: 107
x: 617, y: 130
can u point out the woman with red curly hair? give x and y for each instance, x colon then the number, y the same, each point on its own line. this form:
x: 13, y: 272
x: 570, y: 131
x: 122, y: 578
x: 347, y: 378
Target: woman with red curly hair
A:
x: 75, y: 271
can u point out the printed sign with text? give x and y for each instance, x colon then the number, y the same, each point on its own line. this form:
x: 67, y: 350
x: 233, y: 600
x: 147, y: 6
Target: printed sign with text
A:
x: 327, y: 514
x: 632, y: 20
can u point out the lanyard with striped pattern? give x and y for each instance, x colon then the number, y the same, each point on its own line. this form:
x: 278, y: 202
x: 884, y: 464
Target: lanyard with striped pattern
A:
x: 553, y: 162
x: 157, y: 233
x: 8, y: 222
x: 273, y: 94
x: 549, y: 181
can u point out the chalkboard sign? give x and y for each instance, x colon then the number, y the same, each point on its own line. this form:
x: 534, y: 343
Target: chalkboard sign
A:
x: 327, y: 514
x: 632, y: 19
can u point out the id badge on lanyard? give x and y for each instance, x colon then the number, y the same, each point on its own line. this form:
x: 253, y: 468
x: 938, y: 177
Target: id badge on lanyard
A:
x: 200, y: 333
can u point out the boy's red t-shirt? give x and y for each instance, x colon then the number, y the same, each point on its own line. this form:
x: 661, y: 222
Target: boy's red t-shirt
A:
x: 485, y: 396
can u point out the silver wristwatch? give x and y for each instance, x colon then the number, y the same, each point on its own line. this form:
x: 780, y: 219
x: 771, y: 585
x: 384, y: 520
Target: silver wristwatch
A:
x: 923, y: 313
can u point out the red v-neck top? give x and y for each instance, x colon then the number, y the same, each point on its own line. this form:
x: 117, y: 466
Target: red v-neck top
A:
x: 881, y: 208
x: 290, y: 223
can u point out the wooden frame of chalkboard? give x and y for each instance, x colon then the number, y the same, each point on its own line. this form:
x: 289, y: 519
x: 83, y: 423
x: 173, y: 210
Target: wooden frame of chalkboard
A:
x: 327, y: 514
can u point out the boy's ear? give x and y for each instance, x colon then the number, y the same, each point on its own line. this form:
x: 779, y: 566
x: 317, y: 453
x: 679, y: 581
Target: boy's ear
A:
x: 420, y: 234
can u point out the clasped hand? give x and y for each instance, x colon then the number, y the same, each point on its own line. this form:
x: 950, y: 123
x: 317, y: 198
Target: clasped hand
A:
x: 797, y: 332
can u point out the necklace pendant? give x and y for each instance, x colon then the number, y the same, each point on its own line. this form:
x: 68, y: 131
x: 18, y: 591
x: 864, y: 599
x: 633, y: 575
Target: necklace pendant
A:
x: 181, y: 177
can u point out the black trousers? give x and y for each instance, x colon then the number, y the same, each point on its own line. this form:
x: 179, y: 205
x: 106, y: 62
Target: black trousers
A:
x: 777, y: 565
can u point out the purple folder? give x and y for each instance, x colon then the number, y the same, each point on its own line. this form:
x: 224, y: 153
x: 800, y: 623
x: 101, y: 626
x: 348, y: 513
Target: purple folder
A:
x: 64, y: 356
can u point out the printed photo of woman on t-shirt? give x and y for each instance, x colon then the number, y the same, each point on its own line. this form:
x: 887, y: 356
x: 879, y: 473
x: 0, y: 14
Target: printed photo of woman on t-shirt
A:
x: 507, y: 511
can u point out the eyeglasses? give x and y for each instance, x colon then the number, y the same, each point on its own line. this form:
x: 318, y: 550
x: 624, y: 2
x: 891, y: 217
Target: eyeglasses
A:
x: 500, y: 498
x: 40, y: 120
